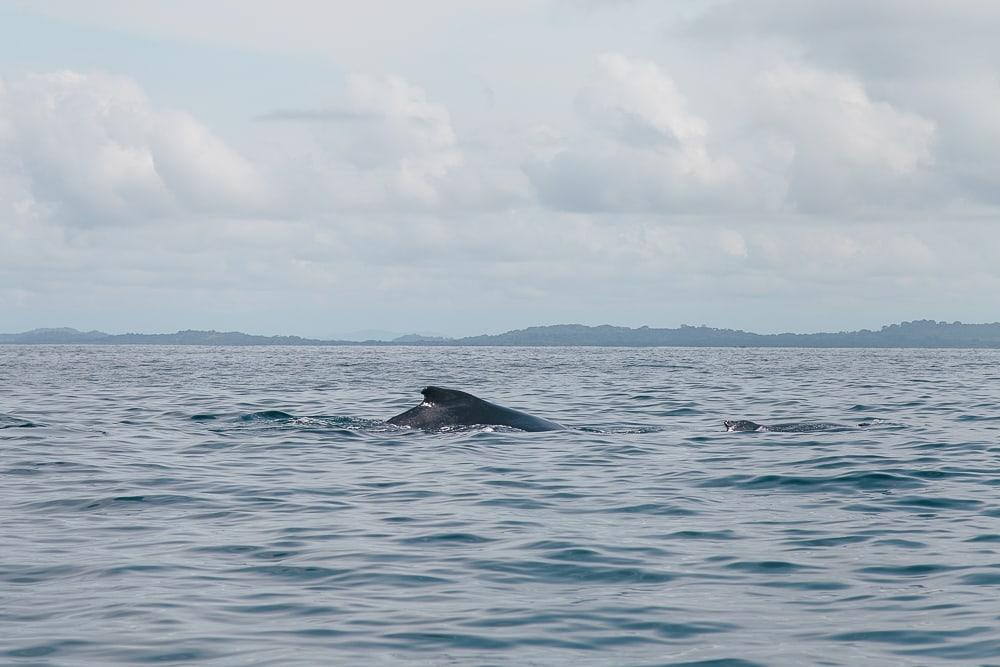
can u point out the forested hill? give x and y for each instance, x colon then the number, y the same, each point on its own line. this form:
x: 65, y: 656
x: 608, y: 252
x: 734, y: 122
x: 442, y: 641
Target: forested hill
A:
x: 921, y: 333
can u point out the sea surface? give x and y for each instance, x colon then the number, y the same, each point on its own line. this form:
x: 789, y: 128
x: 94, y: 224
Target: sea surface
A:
x: 248, y: 506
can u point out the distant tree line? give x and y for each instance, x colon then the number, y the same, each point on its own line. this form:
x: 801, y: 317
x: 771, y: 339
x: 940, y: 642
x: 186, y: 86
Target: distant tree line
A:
x: 919, y: 333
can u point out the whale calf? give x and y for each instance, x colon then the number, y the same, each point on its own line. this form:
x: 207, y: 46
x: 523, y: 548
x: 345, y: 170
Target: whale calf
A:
x: 745, y: 425
x: 733, y: 425
x: 443, y: 408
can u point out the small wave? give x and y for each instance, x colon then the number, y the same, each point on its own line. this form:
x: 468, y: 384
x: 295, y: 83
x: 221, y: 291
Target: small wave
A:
x: 978, y: 418
x: 373, y: 578
x: 720, y: 662
x: 279, y: 419
x: 543, y: 572
x: 768, y: 567
x: 977, y: 651
x: 122, y: 502
x: 852, y: 481
x: 621, y: 430
x: 514, y: 503
x: 702, y: 535
x: 296, y: 572
x: 289, y: 608
x: 453, y: 640
x: 237, y: 549
x: 34, y: 574
x: 676, y: 630
x: 681, y: 412
x: 807, y: 585
x: 835, y: 541
x: 8, y: 421
x: 46, y: 650
x: 986, y: 537
x: 267, y: 416
x: 907, y: 637
x: 937, y: 503
x: 982, y: 579
x: 653, y: 509
x: 913, y: 570
x: 142, y: 568
x: 446, y: 539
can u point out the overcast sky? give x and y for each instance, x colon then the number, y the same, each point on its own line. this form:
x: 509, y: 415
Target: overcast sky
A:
x: 312, y: 167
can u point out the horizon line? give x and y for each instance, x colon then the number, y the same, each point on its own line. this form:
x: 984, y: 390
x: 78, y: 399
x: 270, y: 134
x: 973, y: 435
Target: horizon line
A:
x: 415, y: 337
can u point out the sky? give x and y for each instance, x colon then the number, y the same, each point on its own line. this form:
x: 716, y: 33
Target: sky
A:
x: 313, y: 167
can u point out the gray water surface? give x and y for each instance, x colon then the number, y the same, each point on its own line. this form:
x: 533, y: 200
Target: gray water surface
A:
x: 247, y: 506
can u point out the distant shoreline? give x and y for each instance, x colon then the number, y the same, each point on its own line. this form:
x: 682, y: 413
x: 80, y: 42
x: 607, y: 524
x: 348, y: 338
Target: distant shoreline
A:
x: 917, y: 334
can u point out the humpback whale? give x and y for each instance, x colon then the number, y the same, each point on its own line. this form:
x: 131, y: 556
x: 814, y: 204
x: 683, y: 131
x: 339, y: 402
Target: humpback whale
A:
x: 733, y: 425
x: 805, y: 427
x: 449, y: 407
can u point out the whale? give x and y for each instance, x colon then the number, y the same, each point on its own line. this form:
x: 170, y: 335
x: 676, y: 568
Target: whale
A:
x: 745, y: 425
x: 447, y: 408
x: 742, y: 425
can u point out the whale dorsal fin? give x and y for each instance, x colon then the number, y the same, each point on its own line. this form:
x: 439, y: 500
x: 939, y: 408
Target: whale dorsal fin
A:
x: 445, y: 408
x: 442, y: 396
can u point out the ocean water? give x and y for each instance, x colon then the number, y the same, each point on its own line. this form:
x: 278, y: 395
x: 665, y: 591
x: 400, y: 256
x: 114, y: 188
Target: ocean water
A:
x: 247, y: 506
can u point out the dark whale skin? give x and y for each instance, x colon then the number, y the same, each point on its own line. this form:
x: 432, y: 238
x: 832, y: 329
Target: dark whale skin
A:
x: 443, y: 408
x: 744, y: 425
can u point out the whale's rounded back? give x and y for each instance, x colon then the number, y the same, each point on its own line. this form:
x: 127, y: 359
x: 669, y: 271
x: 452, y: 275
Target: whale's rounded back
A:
x: 443, y: 408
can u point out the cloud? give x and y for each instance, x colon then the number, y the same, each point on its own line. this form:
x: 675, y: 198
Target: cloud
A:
x: 387, y: 143
x: 798, y: 139
x: 91, y: 148
x: 315, y: 116
x: 881, y: 40
x: 641, y: 148
x: 202, y: 172
x: 843, y: 149
x: 923, y: 72
x: 414, y: 139
x: 767, y: 165
x: 638, y: 104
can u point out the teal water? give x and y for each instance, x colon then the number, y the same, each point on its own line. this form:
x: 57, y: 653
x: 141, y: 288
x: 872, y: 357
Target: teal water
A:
x: 247, y: 506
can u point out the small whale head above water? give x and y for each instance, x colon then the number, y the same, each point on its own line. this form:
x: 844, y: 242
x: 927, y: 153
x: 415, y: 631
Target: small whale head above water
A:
x: 443, y: 408
x: 742, y: 425
x: 745, y: 425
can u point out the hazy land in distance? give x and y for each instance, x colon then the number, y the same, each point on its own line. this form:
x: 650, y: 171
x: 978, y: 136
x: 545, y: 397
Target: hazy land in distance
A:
x: 916, y: 334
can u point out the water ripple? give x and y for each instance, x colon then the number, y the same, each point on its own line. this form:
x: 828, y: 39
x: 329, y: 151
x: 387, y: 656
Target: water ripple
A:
x: 250, y: 506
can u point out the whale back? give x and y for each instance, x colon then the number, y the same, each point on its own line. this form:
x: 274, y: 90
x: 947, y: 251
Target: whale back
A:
x: 742, y: 425
x: 795, y: 427
x: 443, y: 408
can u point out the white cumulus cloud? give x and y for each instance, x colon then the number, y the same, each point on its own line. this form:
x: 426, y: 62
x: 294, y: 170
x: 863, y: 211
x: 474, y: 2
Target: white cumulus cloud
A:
x: 641, y: 149
x: 385, y: 143
x: 92, y: 148
x: 843, y: 148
